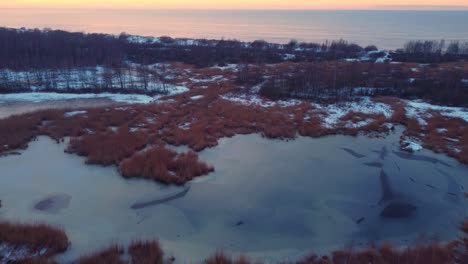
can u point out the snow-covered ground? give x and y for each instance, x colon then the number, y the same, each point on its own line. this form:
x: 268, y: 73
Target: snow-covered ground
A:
x: 257, y: 100
x: 152, y: 40
x: 363, y: 105
x: 80, y: 82
x: 142, y: 40
x: 75, y: 113
x: 333, y: 112
x: 134, y: 76
x: 411, y: 144
x: 419, y: 110
x: 383, y: 59
x: 371, y: 56
x: 231, y: 67
x: 196, y: 97
x: 41, y: 97
x: 12, y: 254
x: 207, y: 80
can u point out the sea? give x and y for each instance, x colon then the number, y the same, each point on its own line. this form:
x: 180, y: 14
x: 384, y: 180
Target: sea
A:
x: 388, y: 29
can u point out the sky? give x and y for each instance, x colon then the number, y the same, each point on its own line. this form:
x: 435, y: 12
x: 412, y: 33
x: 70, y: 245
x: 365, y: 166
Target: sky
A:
x: 240, y: 4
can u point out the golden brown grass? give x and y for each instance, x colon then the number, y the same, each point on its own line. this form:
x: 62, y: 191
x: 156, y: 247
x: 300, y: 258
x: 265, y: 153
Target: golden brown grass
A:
x: 221, y: 258
x: 34, y: 236
x: 36, y: 260
x: 148, y: 252
x: 116, y: 135
x: 430, y: 254
x: 108, y: 148
x: 109, y: 255
x: 164, y: 165
x: 16, y: 132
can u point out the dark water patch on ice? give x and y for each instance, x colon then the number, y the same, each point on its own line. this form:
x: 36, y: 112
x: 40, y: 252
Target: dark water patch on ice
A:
x: 383, y: 152
x: 9, y: 154
x: 398, y: 210
x: 360, y: 220
x: 411, y: 156
x: 375, y: 164
x: 54, y: 203
x: 160, y: 200
x: 431, y: 186
x: 454, y: 189
x: 353, y: 153
x: 387, y: 192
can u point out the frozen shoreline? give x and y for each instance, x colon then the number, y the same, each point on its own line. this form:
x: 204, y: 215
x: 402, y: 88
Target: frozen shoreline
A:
x: 187, y: 240
x: 41, y: 97
x: 10, y: 108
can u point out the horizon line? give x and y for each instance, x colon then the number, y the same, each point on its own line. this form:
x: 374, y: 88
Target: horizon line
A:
x: 369, y: 8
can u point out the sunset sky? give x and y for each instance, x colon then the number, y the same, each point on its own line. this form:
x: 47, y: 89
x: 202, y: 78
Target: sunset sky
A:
x: 241, y: 4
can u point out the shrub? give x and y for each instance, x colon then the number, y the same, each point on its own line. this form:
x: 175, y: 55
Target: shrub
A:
x: 221, y: 258
x: 163, y: 165
x: 108, y: 148
x: 111, y: 254
x: 34, y: 236
x: 148, y: 252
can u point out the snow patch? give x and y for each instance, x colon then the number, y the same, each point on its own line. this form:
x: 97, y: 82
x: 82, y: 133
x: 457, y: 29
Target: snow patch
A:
x: 142, y: 40
x: 256, y: 100
x: 212, y: 79
x: 74, y: 113
x: 196, y: 97
x: 411, y: 145
x: 365, y: 105
x: 185, y: 126
x: 41, y: 97
x: 12, y: 253
x: 176, y: 89
x: 232, y: 67
x: 441, y: 130
x: 383, y: 59
x: 120, y: 98
x: 288, y: 56
x: 418, y: 110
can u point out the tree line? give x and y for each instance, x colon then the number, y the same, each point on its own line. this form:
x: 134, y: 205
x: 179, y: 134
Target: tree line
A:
x: 128, y: 78
x: 57, y: 49
x: 334, y: 81
x: 431, y: 51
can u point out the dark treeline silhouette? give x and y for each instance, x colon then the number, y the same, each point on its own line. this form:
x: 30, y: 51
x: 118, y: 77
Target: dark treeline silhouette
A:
x: 25, y: 49
x: 29, y: 49
x: 341, y: 80
x: 212, y: 52
x: 432, y: 51
x: 52, y: 49
x: 128, y: 78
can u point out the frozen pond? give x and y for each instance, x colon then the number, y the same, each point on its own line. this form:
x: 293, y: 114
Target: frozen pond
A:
x: 267, y: 198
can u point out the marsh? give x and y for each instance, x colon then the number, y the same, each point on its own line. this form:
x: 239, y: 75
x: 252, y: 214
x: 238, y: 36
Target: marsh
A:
x: 290, y: 197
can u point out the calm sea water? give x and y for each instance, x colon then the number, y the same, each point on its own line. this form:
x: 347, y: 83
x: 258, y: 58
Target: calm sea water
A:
x: 387, y: 29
